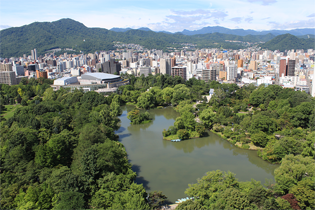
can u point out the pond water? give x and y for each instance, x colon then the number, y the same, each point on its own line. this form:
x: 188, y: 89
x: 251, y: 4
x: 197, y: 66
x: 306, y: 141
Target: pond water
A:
x: 170, y: 166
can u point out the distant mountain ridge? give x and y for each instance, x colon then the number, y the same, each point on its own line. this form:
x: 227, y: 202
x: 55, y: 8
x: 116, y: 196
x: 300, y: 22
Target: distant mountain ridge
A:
x: 127, y: 29
x: 287, y: 41
x: 238, y: 32
x: 68, y: 33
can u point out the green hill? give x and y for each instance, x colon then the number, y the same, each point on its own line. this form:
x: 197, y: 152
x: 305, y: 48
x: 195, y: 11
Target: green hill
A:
x: 288, y: 42
x: 67, y: 33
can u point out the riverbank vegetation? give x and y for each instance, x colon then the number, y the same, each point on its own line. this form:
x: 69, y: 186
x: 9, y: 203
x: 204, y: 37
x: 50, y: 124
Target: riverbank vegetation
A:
x: 136, y: 117
x: 59, y: 151
x: 294, y: 189
x: 61, y: 145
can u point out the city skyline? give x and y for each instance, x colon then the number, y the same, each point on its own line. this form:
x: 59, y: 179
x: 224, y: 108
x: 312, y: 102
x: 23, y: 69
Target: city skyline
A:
x: 163, y: 15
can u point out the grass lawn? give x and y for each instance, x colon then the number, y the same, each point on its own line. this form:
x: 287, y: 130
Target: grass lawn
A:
x: 9, y: 110
x: 130, y: 103
x: 193, y: 134
x: 241, y: 114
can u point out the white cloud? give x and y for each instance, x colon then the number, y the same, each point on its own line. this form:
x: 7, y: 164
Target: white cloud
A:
x: 236, y: 19
x: 188, y: 19
x: 4, y: 27
x: 263, y: 2
x: 310, y: 23
x: 249, y: 19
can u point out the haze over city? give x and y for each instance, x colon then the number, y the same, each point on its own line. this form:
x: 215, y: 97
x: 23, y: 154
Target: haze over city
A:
x: 164, y: 15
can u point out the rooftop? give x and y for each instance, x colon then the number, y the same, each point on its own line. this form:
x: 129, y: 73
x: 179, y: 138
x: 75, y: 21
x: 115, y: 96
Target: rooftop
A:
x: 100, y: 75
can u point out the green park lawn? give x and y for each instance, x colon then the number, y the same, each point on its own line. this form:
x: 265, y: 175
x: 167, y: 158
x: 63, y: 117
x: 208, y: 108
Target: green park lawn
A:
x: 241, y: 114
x: 9, y: 112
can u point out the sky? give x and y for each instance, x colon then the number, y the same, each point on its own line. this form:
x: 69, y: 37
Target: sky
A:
x: 164, y: 15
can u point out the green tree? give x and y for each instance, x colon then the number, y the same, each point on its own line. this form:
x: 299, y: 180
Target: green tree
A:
x: 146, y: 100
x: 207, y: 117
x: 260, y: 139
x: 293, y: 169
x: 69, y: 200
x: 156, y: 199
x: 182, y: 134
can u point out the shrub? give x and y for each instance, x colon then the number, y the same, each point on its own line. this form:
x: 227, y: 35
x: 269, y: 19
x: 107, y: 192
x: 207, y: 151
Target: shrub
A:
x: 182, y: 134
x: 165, y: 133
x: 245, y: 146
x: 172, y: 130
x: 200, y: 129
x: 260, y: 139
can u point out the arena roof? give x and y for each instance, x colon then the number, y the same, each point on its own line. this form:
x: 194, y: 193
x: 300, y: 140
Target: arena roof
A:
x: 98, y: 76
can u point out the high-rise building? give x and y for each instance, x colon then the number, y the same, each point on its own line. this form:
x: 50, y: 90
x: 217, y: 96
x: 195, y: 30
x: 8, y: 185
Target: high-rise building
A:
x: 35, y: 54
x: 8, y: 77
x: 165, y: 66
x: 173, y: 62
x: 290, y: 67
x: 19, y: 70
x: 222, y: 75
x: 111, y: 66
x: 282, y: 68
x: 179, y: 71
x: 253, y: 65
x: 32, y: 55
x: 240, y: 63
x: 41, y: 73
x: 145, y: 71
x: 208, y: 74
x: 5, y: 66
x: 231, y: 71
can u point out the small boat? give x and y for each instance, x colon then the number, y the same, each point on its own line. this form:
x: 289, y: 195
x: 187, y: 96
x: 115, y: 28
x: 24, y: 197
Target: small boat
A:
x: 176, y: 140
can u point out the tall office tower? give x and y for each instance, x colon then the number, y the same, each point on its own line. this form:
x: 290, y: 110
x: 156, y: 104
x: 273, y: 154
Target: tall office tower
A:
x: 253, y: 65
x: 223, y: 75
x: 99, y: 67
x: 111, y: 66
x: 236, y: 57
x: 282, y: 68
x: 145, y: 71
x: 35, y: 54
x: 179, y: 71
x: 125, y: 56
x: 292, y: 55
x: 208, y: 74
x: 19, y: 70
x: 231, y: 71
x: 159, y: 53
x: 69, y: 64
x: 5, y: 66
x: 147, y: 62
x: 60, y: 67
x: 290, y: 67
x: 173, y: 62
x: 240, y: 63
x: 162, y: 66
x: 182, y: 53
x: 107, y: 57
x: 8, y: 77
x: 168, y: 66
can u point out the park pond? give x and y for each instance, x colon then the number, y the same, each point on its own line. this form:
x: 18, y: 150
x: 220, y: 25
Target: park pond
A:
x: 170, y: 166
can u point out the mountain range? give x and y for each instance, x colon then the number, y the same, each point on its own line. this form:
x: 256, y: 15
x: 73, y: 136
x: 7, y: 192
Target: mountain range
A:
x: 238, y: 32
x: 68, y: 33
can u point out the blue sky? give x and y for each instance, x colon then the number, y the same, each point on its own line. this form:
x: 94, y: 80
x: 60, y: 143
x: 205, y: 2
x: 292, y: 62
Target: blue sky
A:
x: 164, y: 15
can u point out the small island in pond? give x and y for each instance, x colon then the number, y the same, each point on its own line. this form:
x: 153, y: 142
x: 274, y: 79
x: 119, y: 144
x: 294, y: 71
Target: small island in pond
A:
x: 136, y: 117
x: 185, y: 126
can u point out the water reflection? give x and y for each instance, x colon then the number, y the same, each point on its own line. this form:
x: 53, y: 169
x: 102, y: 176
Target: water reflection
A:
x: 137, y: 128
x: 140, y: 179
x: 171, y: 166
